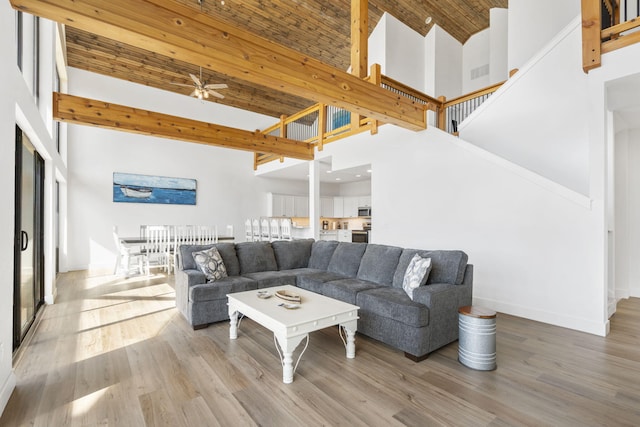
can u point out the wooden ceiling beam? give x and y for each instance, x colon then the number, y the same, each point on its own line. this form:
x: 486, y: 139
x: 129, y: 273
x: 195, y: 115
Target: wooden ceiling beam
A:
x: 83, y: 111
x: 174, y: 30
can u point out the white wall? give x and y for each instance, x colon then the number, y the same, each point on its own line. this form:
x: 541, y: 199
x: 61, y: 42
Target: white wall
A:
x: 499, y: 44
x: 537, y: 119
x: 377, y: 46
x: 532, y: 242
x: 227, y: 190
x: 404, y: 59
x: 443, y: 56
x: 358, y: 188
x: 476, y: 58
x: 532, y: 24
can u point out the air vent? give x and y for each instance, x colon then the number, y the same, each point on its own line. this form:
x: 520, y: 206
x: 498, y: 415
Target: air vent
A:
x: 483, y: 70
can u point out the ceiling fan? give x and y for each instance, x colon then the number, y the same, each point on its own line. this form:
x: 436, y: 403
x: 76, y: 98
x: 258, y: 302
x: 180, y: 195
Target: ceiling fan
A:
x: 202, y: 89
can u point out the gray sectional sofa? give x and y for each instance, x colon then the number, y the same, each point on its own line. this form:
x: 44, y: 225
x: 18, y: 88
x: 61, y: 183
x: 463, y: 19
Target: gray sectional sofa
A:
x: 367, y: 275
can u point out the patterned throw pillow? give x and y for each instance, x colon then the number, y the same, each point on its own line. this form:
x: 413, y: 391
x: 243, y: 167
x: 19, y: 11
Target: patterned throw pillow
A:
x: 210, y: 263
x: 416, y: 274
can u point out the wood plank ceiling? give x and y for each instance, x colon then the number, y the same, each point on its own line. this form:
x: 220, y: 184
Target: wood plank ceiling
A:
x: 318, y: 28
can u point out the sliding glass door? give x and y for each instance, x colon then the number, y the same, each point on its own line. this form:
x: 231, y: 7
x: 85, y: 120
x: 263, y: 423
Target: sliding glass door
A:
x: 28, y: 247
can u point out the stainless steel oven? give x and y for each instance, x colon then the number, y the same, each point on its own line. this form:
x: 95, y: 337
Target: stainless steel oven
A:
x: 359, y: 236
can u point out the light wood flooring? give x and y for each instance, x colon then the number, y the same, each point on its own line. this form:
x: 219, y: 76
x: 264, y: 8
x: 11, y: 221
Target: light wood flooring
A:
x: 116, y: 352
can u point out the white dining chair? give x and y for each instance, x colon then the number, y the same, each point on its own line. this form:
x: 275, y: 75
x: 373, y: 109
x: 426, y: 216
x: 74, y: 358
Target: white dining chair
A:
x: 156, y: 248
x: 207, y: 234
x: 274, y: 229
x: 255, y: 229
x: 285, y: 229
x: 265, y: 236
x: 248, y: 230
x: 126, y: 257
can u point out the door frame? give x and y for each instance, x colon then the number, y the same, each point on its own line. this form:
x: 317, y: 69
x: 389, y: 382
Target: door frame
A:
x: 37, y: 239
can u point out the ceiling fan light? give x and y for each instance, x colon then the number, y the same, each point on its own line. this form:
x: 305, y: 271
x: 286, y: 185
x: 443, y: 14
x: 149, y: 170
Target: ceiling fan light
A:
x: 206, y: 94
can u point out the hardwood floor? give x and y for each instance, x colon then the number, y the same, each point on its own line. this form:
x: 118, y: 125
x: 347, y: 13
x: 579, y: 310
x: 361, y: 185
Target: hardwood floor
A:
x: 116, y: 352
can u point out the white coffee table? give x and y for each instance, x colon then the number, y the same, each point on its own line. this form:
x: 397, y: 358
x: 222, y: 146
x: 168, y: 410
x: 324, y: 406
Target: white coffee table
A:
x: 290, y: 327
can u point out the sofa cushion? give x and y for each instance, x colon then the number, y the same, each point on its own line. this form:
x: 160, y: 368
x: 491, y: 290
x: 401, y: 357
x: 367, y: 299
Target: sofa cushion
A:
x: 346, y: 258
x: 210, y: 263
x: 220, y: 288
x: 314, y: 282
x: 446, y: 266
x: 393, y: 303
x: 379, y: 264
x: 227, y: 251
x: 321, y: 252
x: 417, y: 274
x: 292, y: 254
x: 347, y: 289
x: 256, y: 256
x: 267, y: 279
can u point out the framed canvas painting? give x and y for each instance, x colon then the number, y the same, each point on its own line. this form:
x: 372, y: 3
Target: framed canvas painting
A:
x: 133, y: 188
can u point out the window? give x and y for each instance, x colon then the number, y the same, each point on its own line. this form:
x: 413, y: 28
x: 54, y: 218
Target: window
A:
x: 28, y: 50
x: 56, y: 124
x: 19, y: 37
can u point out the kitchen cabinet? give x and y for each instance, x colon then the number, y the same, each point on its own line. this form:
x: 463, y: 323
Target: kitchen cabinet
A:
x: 301, y: 206
x: 329, y: 235
x: 338, y: 207
x: 364, y: 201
x: 281, y: 205
x: 326, y: 207
x: 350, y: 207
x: 344, y: 235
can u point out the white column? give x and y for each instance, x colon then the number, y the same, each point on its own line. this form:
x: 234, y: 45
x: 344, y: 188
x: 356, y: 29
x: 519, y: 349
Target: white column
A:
x: 314, y: 198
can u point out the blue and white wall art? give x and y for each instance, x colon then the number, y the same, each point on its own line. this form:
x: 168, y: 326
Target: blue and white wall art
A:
x: 132, y: 188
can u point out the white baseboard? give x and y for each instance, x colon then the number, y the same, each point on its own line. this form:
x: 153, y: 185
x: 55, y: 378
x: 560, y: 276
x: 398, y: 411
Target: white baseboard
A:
x: 570, y: 322
x: 7, y: 388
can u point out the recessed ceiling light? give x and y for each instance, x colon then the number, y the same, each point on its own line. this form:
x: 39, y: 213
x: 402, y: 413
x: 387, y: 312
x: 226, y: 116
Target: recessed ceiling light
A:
x: 368, y: 170
x: 338, y: 179
x: 329, y: 171
x: 358, y: 176
x: 428, y: 20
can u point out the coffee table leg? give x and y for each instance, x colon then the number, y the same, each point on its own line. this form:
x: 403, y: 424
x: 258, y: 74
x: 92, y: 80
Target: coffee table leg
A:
x: 351, y: 343
x: 233, y: 325
x: 288, y: 345
x: 349, y: 329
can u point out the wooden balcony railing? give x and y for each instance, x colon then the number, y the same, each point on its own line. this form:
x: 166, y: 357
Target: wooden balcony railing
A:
x: 453, y: 112
x: 603, y: 31
x: 322, y: 124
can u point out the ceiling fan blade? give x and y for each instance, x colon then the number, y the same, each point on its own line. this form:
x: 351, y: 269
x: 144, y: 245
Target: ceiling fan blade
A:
x: 216, y: 94
x: 181, y: 84
x: 216, y: 86
x: 195, y: 79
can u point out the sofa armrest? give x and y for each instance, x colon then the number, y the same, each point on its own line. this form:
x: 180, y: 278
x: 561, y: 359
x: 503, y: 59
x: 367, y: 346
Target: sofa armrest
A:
x: 184, y: 280
x: 437, y: 295
x: 442, y: 299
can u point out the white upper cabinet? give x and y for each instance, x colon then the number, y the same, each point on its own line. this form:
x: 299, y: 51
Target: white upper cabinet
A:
x: 350, y: 207
x: 326, y: 207
x: 281, y: 205
x: 338, y: 207
x: 364, y: 201
x: 301, y: 206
